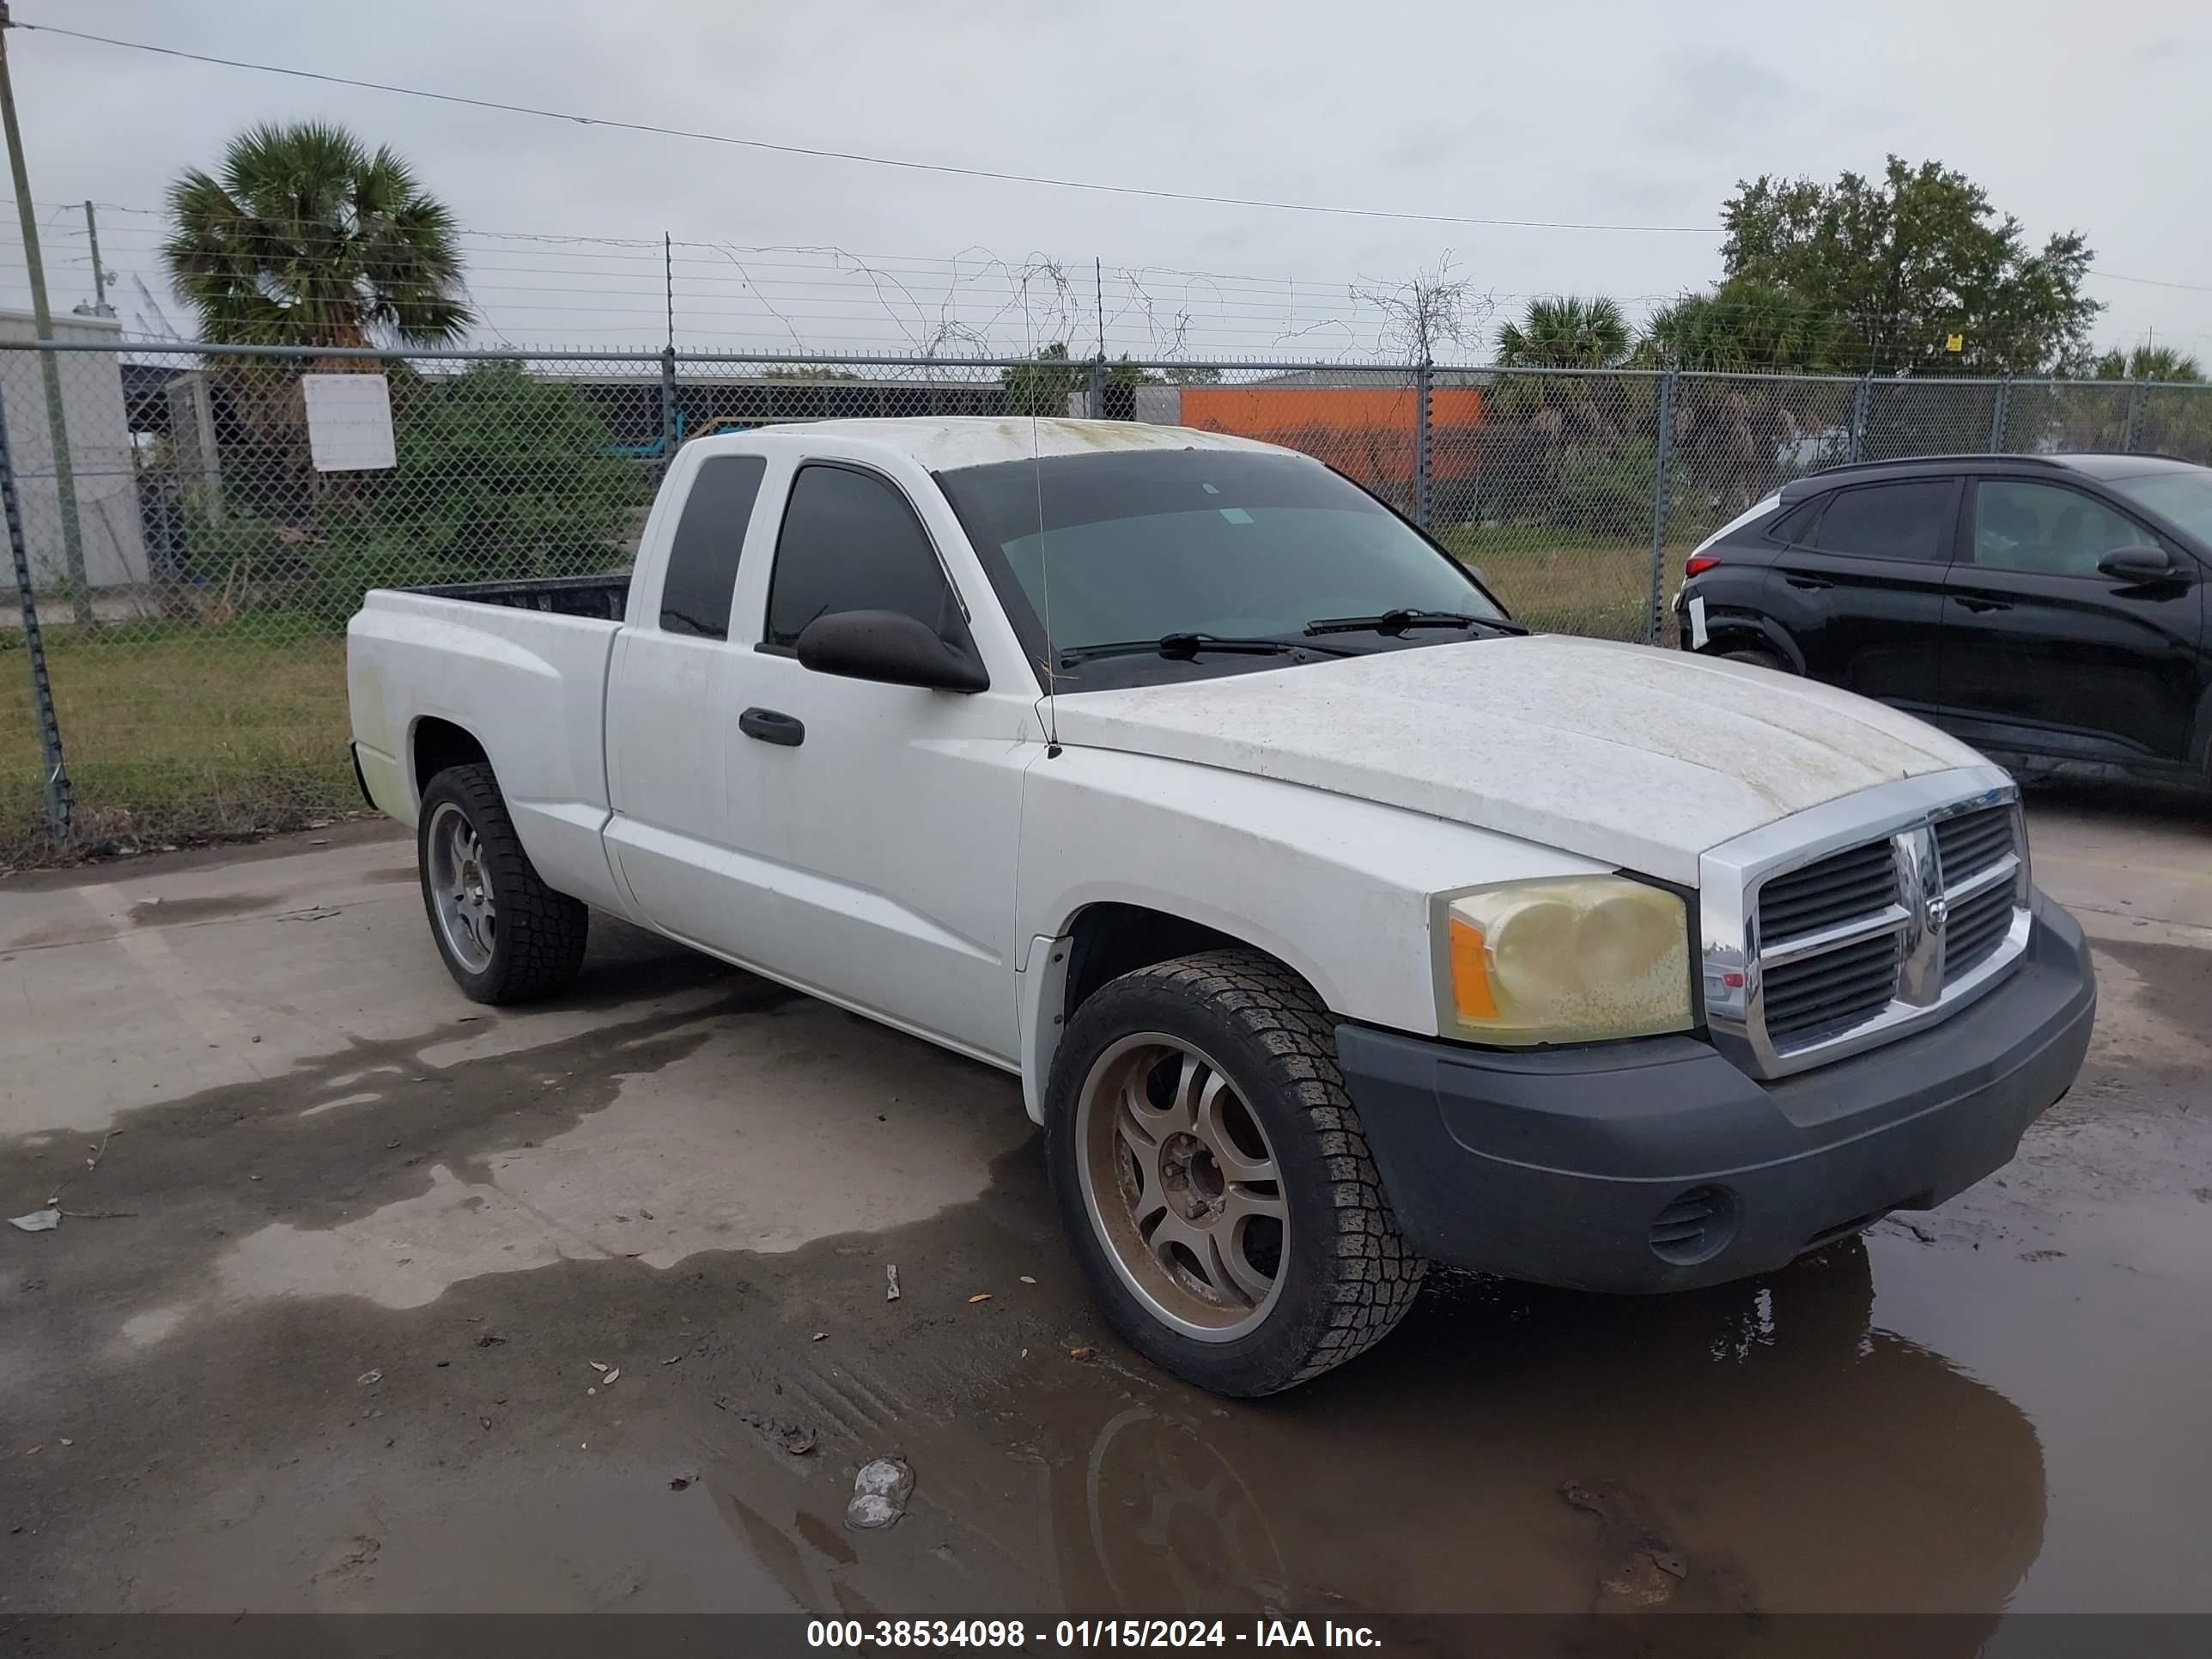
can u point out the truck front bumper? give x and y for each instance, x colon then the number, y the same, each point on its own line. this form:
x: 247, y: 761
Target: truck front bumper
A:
x: 1657, y: 1166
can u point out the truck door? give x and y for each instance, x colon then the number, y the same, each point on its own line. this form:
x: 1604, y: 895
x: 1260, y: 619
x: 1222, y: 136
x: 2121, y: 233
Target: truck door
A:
x: 678, y: 834
x: 904, y: 805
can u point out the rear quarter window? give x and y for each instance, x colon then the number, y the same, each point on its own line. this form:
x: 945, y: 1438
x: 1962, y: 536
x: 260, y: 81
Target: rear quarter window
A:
x: 1792, y: 526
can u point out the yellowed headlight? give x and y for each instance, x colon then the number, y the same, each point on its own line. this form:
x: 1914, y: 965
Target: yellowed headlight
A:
x: 1577, y: 959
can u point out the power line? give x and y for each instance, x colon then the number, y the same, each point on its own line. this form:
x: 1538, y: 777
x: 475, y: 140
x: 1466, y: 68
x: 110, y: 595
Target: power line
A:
x: 2150, y: 281
x: 1202, y: 198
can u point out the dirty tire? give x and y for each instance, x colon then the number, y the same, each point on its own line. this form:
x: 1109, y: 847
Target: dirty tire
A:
x: 1757, y: 658
x: 538, y: 944
x: 1347, y: 1276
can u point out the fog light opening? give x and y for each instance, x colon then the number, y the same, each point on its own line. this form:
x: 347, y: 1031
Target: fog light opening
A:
x: 1695, y: 1226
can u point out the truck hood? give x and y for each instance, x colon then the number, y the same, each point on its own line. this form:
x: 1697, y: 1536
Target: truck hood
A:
x: 1638, y: 758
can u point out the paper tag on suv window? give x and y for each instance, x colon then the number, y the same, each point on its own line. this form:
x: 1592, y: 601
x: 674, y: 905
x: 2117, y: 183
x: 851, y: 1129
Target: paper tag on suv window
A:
x: 1697, y: 624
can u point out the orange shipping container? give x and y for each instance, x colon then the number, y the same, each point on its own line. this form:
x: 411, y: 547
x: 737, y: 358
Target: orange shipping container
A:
x: 1364, y: 432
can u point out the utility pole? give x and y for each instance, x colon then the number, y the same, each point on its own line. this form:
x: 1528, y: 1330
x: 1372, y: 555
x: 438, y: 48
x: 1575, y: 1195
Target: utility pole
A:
x: 99, y: 306
x: 49, y: 367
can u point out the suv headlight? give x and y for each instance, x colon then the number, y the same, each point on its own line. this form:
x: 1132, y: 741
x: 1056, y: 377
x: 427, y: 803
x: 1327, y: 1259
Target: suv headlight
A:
x: 1572, y: 959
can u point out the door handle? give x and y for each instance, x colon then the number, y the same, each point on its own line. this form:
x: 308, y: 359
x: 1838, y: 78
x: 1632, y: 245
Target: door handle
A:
x: 1977, y: 606
x: 1811, y: 584
x: 770, y: 726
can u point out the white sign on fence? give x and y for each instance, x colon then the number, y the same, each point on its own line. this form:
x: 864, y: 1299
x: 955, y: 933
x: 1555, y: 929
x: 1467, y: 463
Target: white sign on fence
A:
x: 348, y: 422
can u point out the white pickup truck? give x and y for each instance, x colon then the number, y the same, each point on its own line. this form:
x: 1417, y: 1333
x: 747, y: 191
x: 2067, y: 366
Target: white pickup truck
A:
x: 1334, y: 924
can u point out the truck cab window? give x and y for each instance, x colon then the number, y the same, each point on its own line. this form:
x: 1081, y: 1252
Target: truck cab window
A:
x: 703, y: 558
x: 851, y: 542
x: 1910, y: 520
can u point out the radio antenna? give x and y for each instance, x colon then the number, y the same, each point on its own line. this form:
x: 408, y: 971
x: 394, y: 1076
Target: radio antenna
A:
x: 1033, y: 384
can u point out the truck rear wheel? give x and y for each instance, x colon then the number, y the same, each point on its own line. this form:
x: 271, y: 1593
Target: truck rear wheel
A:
x: 506, y: 936
x: 1213, y: 1180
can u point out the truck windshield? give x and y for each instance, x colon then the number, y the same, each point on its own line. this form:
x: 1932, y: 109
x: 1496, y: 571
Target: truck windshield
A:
x: 1145, y: 544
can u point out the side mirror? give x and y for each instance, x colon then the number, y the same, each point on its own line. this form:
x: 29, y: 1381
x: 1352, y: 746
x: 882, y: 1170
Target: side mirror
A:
x: 2136, y: 564
x: 890, y: 646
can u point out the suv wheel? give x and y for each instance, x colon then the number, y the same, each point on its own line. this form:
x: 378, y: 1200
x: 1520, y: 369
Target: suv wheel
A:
x: 1757, y: 658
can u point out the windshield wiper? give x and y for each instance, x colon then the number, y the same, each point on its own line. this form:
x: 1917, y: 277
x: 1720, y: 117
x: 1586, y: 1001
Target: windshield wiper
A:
x: 1184, y: 646
x: 1397, y: 621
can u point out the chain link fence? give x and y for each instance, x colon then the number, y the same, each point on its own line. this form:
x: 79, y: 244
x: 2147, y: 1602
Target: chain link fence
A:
x: 197, y: 525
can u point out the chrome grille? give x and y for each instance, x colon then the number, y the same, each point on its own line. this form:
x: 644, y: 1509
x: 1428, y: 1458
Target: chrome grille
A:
x: 1914, y: 899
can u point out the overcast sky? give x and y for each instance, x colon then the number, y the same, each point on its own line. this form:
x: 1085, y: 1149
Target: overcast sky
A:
x: 1609, y: 111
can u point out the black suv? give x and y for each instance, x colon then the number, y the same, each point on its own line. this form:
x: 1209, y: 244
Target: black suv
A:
x: 2047, y: 608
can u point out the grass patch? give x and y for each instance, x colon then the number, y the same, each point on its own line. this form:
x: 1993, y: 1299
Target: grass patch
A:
x: 178, y: 732
x: 1555, y: 580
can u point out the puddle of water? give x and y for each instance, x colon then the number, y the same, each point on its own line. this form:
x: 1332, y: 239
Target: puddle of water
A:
x: 214, y: 907
x: 342, y: 1100
x: 2003, y: 1409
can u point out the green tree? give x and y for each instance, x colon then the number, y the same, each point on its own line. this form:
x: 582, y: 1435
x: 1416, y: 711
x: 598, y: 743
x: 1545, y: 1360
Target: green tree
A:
x: 500, y: 474
x: 2147, y: 363
x: 1730, y: 433
x: 1744, y: 324
x: 1906, y: 261
x: 1564, y: 332
x: 1042, y: 385
x: 305, y: 237
x: 2167, y: 412
x: 1568, y: 332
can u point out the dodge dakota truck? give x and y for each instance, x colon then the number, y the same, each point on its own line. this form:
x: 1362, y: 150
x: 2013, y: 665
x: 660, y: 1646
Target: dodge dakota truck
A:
x: 1333, y: 923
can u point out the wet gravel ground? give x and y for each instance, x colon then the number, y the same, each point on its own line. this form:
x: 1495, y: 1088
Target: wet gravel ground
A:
x: 374, y: 1300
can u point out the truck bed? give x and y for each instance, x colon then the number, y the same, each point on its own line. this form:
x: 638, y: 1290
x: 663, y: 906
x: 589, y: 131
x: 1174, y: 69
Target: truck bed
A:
x: 521, y: 668
x: 602, y: 597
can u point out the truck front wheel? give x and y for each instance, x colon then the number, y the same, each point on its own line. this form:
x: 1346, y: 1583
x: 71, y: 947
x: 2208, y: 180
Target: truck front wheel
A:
x: 1213, y: 1180
x: 506, y: 936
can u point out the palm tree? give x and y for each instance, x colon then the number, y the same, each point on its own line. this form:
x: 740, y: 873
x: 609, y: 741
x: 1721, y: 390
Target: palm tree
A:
x: 2149, y: 362
x: 1744, y: 324
x: 1730, y: 433
x: 1564, y: 332
x: 307, y: 238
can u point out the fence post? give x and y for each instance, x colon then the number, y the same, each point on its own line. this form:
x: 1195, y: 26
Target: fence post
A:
x: 667, y: 404
x: 1998, y: 411
x: 42, y: 691
x: 1663, y: 448
x: 2133, y: 434
x: 1421, y: 388
x: 1860, y: 395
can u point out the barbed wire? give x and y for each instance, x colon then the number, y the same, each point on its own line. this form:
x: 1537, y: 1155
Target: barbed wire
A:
x: 825, y: 298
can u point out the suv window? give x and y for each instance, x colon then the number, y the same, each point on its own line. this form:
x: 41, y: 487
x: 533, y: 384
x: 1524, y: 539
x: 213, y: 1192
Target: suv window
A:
x: 703, y: 557
x: 2046, y: 529
x: 1911, y: 520
x: 1792, y: 526
x: 851, y: 542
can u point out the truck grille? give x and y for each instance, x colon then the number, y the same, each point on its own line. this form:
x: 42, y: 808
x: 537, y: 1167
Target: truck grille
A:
x: 1972, y: 842
x: 1836, y: 989
x: 1878, y: 936
x: 1855, y: 882
x: 1979, y: 926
